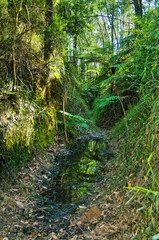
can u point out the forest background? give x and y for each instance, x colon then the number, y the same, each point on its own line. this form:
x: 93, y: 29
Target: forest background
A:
x: 67, y: 65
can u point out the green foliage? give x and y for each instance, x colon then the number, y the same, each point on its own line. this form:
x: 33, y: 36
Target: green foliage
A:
x: 74, y: 13
x: 75, y: 103
x: 144, y: 66
x: 44, y: 128
x: 140, y: 145
x: 75, y: 120
x: 151, y: 193
x: 154, y: 181
x: 106, y: 64
x: 28, y: 81
x: 105, y: 100
x: 101, y: 103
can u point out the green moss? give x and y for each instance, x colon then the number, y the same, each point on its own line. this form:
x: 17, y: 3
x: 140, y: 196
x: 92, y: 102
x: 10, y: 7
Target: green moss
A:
x: 28, y: 127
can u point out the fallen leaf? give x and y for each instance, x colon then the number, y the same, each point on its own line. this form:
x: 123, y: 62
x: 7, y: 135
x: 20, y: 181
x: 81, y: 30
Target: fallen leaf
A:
x: 82, y: 207
x: 19, y: 204
x: 14, y: 190
x: 92, y: 213
x: 44, y: 176
x: 35, y: 223
x: 6, y: 198
x: 79, y: 223
x: 32, y: 235
x: 52, y: 236
x: 41, y: 217
x: 27, y: 178
x: 26, y: 222
x: 129, y: 184
x: 102, y: 226
x: 116, y: 194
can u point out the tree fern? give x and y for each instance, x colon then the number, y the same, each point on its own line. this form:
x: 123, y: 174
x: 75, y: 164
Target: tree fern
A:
x: 76, y: 120
x: 104, y: 101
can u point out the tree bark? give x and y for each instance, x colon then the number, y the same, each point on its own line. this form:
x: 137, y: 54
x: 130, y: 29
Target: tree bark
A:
x: 75, y: 49
x: 47, y: 37
x: 17, y: 11
x: 138, y: 7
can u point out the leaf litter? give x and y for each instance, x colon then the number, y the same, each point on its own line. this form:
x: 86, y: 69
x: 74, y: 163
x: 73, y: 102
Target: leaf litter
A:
x: 28, y: 210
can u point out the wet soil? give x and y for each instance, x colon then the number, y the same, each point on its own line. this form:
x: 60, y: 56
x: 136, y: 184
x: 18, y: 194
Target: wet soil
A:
x: 66, y: 194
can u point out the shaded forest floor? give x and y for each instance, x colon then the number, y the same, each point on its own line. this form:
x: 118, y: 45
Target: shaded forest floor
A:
x: 27, y: 211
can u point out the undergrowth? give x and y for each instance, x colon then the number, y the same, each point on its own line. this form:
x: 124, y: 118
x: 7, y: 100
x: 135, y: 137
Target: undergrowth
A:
x: 138, y: 159
x: 137, y: 133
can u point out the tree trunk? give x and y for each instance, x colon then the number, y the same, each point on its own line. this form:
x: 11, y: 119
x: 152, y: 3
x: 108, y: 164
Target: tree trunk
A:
x: 17, y: 11
x: 75, y: 49
x: 47, y: 37
x: 112, y: 41
x: 138, y: 7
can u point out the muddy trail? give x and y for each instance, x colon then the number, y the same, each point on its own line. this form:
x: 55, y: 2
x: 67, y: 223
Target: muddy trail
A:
x: 67, y: 193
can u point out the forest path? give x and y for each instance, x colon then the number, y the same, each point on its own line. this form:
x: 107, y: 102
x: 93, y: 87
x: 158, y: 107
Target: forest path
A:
x: 29, y: 210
